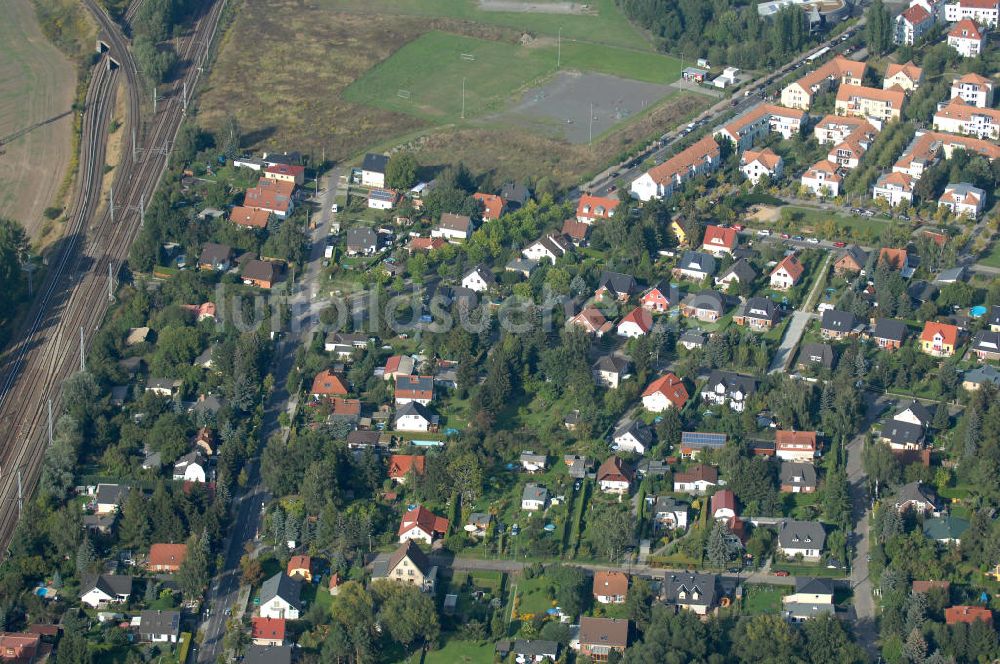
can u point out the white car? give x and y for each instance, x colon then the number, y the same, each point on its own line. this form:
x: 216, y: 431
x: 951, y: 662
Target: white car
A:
x: 335, y: 208
x: 813, y: 240
x: 764, y: 232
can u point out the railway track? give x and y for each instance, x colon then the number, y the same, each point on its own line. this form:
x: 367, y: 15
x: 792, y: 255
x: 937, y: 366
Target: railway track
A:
x: 75, y: 294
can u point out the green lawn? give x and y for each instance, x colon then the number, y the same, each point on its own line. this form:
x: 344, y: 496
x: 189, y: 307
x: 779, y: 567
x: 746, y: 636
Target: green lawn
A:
x: 533, y: 595
x: 605, y: 26
x: 763, y: 598
x: 461, y: 652
x: 992, y: 258
x: 828, y: 223
x: 492, y: 71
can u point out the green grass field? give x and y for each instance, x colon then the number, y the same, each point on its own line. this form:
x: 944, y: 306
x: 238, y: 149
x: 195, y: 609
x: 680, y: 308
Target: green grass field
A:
x: 992, y: 257
x: 460, y: 652
x: 606, y: 25
x: 426, y: 77
x: 763, y: 598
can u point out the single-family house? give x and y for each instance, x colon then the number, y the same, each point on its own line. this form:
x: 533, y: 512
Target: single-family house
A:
x: 598, y: 637
x: 591, y: 321
x: 954, y: 615
x: 637, y: 323
x: 595, y: 208
x: 901, y: 435
x: 852, y: 262
x: 99, y: 590
x: 267, y: 631
x: 271, y: 196
x: 697, y: 479
x: 397, y: 366
x: 160, y: 626
x: 215, y: 257
x: 939, y: 339
x: 787, y: 273
x: 610, y: 587
x: 409, y: 565
x: 373, y: 170
x: 401, y: 465
x: 246, y: 217
x: 549, y: 247
x: 108, y: 497
x: 192, y: 467
x: 613, y: 476
x: 478, y: 524
x: 262, y: 274
x: 413, y: 416
x: 533, y: 463
x: 692, y: 592
x: 986, y: 345
x: 327, y: 384
x: 414, y: 388
x: 974, y: 379
x: 719, y: 240
x: 300, y: 567
x: 757, y: 313
x: 917, y: 497
x: 795, y: 445
x: 479, y: 279
x: 707, y: 306
x: 945, y: 529
x: 279, y: 597
x: 667, y: 391
x: 610, y: 370
x: 660, y: 297
x: 493, y: 205
x: 670, y: 513
x: 615, y: 286
x: 695, y: 266
x: 361, y: 240
x: 421, y: 524
x: 796, y: 477
x: 740, y: 272
x: 813, y: 597
x: 889, y: 333
x: 166, y: 557
x: 453, y: 227
x: 801, y: 538
x: 837, y: 324
x: 723, y: 505
x: 816, y: 355
x: 728, y: 388
x: 633, y: 436
x: 534, y: 497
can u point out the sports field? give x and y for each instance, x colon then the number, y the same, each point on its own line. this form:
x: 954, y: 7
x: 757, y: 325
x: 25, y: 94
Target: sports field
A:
x: 427, y: 76
x: 36, y: 88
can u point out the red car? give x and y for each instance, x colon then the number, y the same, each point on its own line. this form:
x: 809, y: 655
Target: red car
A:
x: 781, y: 572
x: 738, y: 227
x: 784, y: 236
x: 840, y: 244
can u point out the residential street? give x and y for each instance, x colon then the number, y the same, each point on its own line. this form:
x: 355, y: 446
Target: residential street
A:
x: 248, y: 507
x: 865, y: 625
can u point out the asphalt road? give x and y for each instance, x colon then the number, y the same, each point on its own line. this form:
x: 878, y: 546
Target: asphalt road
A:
x: 225, y: 588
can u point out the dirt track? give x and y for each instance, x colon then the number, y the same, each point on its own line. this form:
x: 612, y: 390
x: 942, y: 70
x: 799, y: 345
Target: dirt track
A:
x: 36, y: 83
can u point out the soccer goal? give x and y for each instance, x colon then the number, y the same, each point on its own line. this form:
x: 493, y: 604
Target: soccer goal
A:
x: 403, y: 94
x: 468, y: 57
